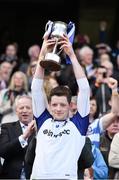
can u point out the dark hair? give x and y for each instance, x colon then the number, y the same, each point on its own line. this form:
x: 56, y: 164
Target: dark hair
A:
x: 103, y: 67
x: 96, y: 115
x: 61, y: 91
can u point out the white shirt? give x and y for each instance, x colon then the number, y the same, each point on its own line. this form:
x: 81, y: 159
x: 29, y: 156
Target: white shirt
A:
x: 59, y: 144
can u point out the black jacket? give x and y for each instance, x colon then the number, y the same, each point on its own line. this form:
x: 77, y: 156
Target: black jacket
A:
x: 11, y: 151
x: 86, y: 158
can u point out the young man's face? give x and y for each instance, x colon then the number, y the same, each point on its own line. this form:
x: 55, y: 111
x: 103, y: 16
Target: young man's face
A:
x: 59, y: 107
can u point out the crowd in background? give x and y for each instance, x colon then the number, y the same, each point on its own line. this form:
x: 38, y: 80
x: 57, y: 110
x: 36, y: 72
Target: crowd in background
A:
x: 101, y: 65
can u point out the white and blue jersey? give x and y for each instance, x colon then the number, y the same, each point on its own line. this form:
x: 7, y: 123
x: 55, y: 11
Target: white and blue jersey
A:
x: 95, y: 129
x: 59, y: 143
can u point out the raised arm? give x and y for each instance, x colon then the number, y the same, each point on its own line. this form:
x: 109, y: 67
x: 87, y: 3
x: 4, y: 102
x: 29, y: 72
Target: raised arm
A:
x: 84, y: 89
x: 38, y: 94
x: 107, y: 119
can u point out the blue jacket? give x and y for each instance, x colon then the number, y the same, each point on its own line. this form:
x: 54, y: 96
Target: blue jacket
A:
x: 99, y: 166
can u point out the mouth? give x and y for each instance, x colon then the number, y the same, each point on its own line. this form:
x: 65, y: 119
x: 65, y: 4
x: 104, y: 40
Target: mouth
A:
x: 115, y: 129
x: 58, y: 114
x: 25, y: 116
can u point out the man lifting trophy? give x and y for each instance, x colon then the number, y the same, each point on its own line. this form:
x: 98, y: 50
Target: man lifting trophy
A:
x: 57, y: 29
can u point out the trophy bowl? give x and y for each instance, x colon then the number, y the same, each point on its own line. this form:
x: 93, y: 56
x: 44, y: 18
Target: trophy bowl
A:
x: 59, y: 28
x: 51, y: 62
x: 52, y: 59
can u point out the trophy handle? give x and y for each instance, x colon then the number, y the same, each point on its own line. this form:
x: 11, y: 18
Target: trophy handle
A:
x: 48, y: 26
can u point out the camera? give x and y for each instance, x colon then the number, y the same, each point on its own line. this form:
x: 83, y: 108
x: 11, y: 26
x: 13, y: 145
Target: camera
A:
x: 104, y: 75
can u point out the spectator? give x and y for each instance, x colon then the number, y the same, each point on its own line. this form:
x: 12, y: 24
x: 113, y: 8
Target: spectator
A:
x: 105, y: 142
x: 100, y: 124
x: 115, y: 50
x: 113, y: 157
x: 109, y: 66
x: 99, y: 168
x: 116, y: 68
x: 73, y: 106
x: 100, y: 49
x: 86, y: 159
x: 104, y: 57
x: 102, y: 31
x: 94, y: 110
x: 14, y: 140
x: 86, y: 58
x: 5, y: 73
x: 18, y: 86
x: 100, y: 89
x: 49, y: 83
x: 33, y: 53
x: 30, y: 72
x: 11, y: 55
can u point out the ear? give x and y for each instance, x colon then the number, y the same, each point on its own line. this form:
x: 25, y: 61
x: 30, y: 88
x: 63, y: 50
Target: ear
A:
x: 16, y: 110
x: 49, y: 107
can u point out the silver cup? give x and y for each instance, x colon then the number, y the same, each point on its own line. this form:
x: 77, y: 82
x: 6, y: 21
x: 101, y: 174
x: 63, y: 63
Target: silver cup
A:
x: 52, y: 59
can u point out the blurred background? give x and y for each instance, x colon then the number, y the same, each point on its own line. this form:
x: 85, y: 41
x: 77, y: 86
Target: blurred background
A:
x: 24, y: 21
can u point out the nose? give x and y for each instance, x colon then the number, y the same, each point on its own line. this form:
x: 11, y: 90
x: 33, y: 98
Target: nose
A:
x: 58, y: 108
x: 24, y: 109
x: 115, y: 123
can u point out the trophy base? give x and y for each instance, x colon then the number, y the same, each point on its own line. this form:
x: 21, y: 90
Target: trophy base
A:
x: 51, y: 62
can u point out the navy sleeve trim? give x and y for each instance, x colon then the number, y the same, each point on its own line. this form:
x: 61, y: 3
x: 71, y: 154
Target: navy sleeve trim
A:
x: 42, y: 118
x: 81, y: 123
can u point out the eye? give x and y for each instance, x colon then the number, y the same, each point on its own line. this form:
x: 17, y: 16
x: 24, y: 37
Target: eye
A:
x: 63, y: 105
x: 28, y: 106
x: 21, y: 108
x: 54, y: 105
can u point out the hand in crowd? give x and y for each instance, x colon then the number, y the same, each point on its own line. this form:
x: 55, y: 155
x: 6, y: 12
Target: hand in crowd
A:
x: 112, y: 83
x: 30, y: 129
x: 88, y: 174
x: 100, y: 76
x: 12, y: 98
